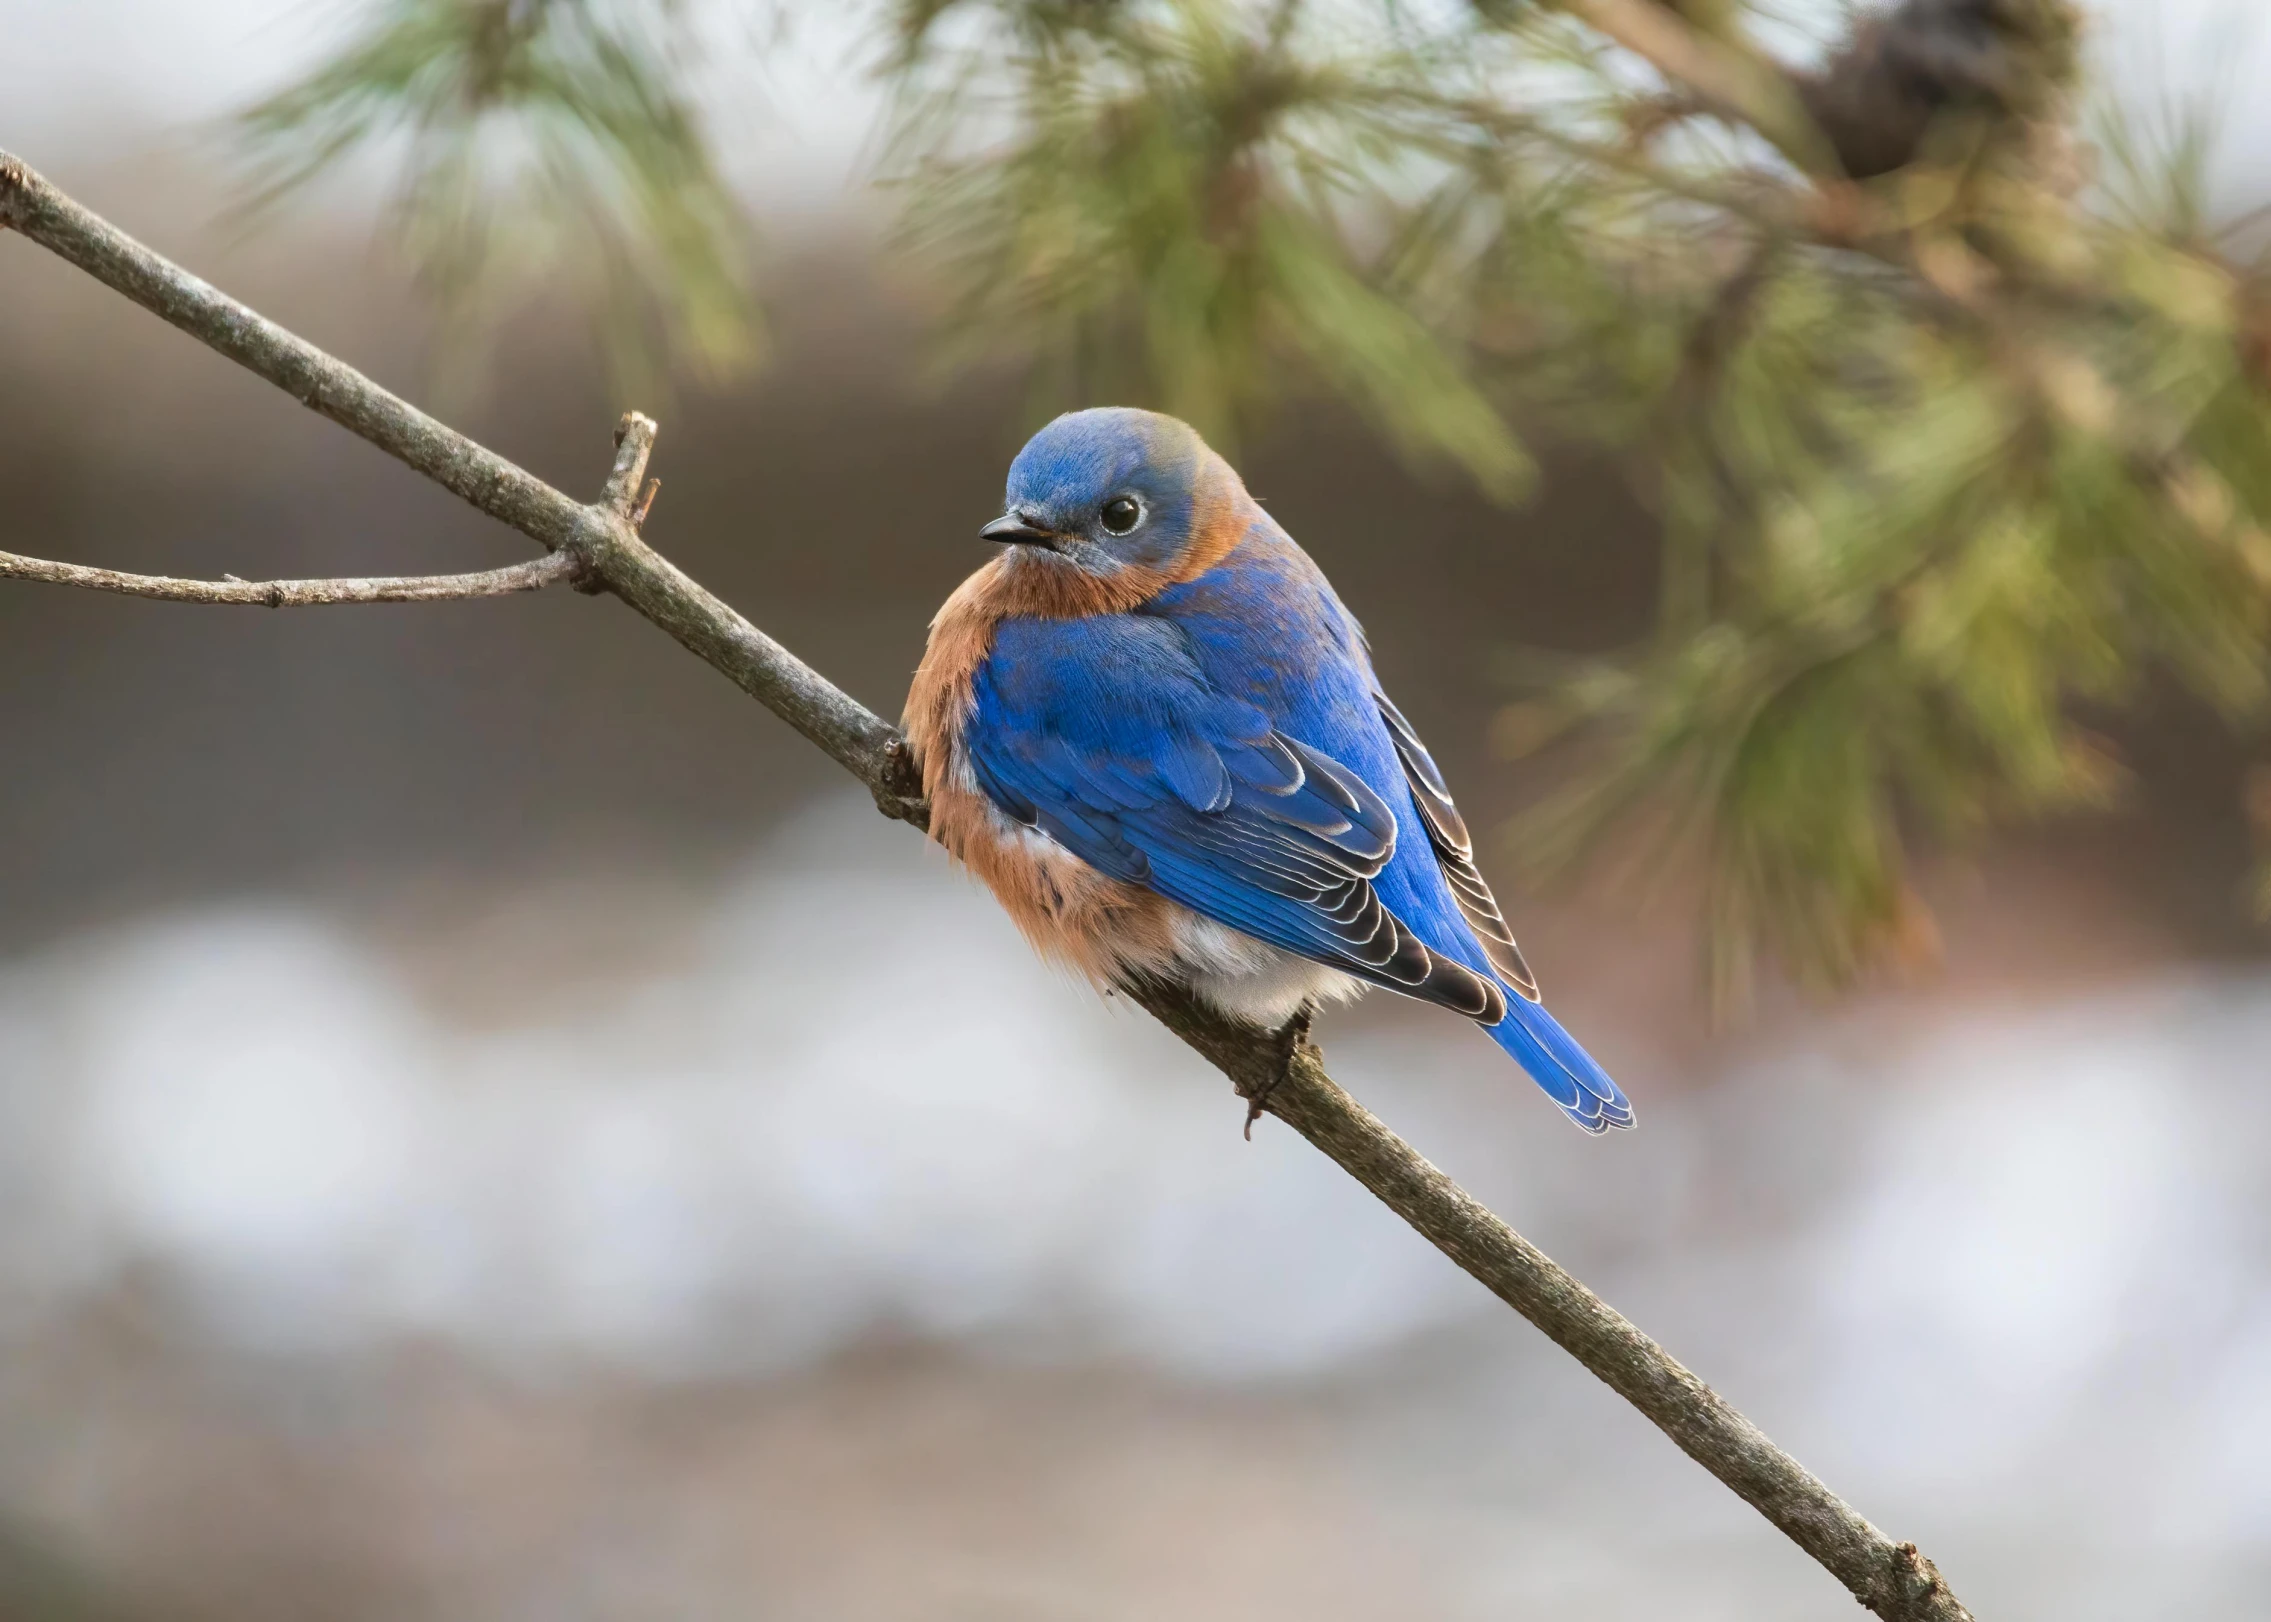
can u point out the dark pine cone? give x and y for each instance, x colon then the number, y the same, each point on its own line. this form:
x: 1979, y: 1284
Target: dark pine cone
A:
x: 1905, y: 69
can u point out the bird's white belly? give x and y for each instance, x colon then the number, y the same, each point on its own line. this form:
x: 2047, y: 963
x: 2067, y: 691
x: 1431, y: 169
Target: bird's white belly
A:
x: 1250, y: 979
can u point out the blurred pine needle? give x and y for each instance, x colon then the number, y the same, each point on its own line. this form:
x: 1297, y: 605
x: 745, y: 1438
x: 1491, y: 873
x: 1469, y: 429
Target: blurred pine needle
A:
x: 535, y: 141
x: 1171, y: 203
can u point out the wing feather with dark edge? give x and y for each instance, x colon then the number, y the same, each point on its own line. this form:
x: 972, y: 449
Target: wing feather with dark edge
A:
x: 1199, y: 798
x: 1455, y: 851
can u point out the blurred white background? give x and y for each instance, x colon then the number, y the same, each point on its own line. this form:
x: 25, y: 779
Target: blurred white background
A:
x: 600, y: 1242
x: 2004, y: 1276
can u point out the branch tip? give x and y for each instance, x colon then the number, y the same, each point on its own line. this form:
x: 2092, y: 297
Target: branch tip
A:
x: 634, y: 443
x: 14, y: 179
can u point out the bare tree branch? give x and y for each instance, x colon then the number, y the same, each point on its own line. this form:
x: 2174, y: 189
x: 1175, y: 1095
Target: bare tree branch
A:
x: 1281, y: 1071
x: 533, y: 575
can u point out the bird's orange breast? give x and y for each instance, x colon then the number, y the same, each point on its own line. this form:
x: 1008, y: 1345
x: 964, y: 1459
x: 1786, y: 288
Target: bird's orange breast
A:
x: 1071, y: 913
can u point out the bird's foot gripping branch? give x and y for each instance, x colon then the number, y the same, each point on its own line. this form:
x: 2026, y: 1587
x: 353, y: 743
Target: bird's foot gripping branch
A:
x: 597, y: 547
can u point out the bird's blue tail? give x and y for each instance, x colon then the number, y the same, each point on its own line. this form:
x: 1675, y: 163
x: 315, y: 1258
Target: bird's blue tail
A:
x: 1566, y: 1071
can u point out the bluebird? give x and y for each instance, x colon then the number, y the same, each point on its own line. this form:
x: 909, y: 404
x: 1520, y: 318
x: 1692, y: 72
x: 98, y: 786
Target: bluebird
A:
x: 1149, y: 726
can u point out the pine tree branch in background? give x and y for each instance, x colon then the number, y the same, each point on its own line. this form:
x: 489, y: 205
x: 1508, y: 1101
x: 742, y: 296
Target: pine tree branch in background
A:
x: 1990, y: 447
x: 1281, y: 1073
x: 1984, y: 446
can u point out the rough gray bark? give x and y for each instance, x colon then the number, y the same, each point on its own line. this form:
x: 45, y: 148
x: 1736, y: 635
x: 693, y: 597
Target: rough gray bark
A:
x: 1281, y: 1073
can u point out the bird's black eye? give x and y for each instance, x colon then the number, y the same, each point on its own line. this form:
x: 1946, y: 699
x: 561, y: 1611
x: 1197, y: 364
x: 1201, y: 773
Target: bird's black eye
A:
x: 1121, y: 514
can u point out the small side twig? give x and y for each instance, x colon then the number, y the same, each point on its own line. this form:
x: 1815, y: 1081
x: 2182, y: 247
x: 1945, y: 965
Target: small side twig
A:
x: 533, y: 575
x: 634, y: 444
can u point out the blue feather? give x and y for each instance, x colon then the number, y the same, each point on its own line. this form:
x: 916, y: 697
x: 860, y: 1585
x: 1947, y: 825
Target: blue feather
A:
x: 1566, y: 1071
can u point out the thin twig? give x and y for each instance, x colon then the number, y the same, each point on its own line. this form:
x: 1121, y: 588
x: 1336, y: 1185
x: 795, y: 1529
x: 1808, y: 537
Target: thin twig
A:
x: 533, y: 575
x: 1281, y: 1071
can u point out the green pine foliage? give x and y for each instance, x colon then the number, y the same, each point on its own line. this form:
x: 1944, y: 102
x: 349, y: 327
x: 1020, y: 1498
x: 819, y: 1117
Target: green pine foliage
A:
x: 1174, y: 203
x: 535, y: 141
x: 1953, y: 412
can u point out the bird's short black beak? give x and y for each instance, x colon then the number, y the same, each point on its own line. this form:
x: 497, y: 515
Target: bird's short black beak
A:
x: 1015, y: 529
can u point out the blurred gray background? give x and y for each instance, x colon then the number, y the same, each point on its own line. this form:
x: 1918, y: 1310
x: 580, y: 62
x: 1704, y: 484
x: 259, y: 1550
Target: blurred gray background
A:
x: 446, y: 1169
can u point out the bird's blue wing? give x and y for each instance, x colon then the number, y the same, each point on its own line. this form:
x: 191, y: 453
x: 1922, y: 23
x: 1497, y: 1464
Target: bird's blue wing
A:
x: 1454, y: 851
x: 1105, y: 734
x: 1269, y: 627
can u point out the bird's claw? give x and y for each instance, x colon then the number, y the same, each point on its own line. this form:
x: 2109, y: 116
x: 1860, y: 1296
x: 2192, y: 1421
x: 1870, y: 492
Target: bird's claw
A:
x: 1289, y: 1037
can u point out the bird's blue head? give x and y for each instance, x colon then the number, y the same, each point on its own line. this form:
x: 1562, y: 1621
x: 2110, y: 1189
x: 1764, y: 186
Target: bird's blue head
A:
x: 1115, y: 492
